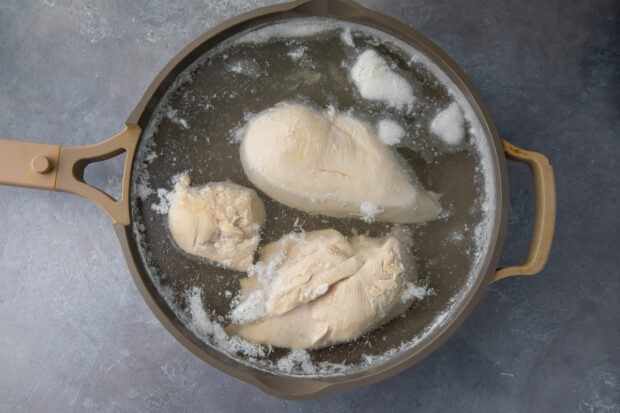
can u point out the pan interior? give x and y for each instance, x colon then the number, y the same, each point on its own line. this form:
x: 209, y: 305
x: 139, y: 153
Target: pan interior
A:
x: 196, y: 129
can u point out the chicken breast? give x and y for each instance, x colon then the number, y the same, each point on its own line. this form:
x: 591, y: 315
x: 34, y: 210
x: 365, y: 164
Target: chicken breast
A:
x: 331, y: 165
x: 220, y: 221
x: 322, y: 289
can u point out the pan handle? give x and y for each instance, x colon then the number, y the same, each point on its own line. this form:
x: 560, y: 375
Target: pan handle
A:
x: 544, y: 212
x: 61, y: 168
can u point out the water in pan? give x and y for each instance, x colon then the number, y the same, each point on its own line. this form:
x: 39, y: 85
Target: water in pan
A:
x: 196, y: 130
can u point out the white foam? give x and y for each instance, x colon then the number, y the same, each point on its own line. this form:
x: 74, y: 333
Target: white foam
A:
x: 249, y: 309
x: 151, y: 157
x: 165, y: 198
x: 143, y: 189
x: 246, y: 67
x: 310, y: 27
x: 212, y: 331
x: 165, y: 195
x: 265, y: 273
x: 369, y: 211
x: 375, y: 80
x: 346, y: 37
x: 449, y: 124
x: 297, y: 360
x: 330, y: 111
x: 173, y: 115
x: 199, y: 315
x: 237, y: 133
x: 297, y: 53
x: 416, y: 292
x: 390, y: 132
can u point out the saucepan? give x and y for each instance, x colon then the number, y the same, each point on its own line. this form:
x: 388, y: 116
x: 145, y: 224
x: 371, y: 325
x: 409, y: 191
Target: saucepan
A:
x: 189, y: 122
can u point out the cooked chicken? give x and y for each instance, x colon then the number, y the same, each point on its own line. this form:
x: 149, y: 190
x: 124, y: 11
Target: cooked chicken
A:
x: 220, y: 221
x: 320, y: 289
x: 331, y: 165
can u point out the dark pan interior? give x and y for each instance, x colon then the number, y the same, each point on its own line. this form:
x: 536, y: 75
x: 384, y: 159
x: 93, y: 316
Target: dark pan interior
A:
x: 194, y: 130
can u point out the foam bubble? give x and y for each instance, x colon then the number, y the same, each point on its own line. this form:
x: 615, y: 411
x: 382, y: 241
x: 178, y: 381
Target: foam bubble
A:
x: 249, y: 309
x: 165, y: 199
x: 416, y: 292
x: 214, y: 332
x: 173, y: 115
x: 297, y: 53
x: 346, y: 37
x: 449, y: 125
x: 246, y: 67
x: 297, y: 360
x: 311, y: 27
x: 390, y: 132
x: 369, y: 211
x: 375, y: 80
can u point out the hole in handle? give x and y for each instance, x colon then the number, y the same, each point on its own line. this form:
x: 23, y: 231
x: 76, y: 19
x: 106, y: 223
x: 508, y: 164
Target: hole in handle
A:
x: 106, y: 175
x: 520, y: 214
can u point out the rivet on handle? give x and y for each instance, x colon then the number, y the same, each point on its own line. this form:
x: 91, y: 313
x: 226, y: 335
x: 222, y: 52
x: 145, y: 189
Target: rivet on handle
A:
x: 41, y: 164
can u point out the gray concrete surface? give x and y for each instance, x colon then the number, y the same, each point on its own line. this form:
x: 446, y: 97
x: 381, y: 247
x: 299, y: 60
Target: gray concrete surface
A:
x: 75, y: 336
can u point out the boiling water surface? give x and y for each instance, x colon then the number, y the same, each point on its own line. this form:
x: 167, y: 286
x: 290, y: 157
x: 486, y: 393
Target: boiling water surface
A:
x: 196, y: 130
